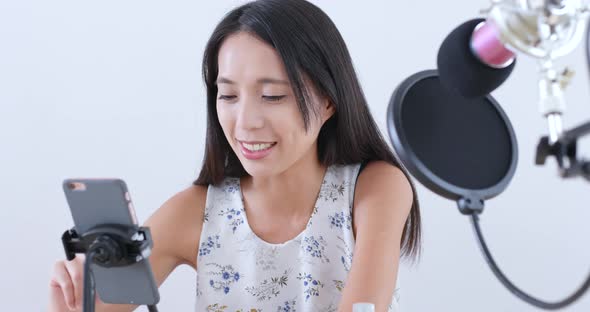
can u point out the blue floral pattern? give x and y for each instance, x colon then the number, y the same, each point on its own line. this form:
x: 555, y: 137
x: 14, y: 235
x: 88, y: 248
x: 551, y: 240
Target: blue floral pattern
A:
x: 315, y: 247
x: 234, y: 217
x: 222, y: 277
x: 238, y: 271
x: 311, y: 285
x: 209, y: 245
x: 339, y: 220
x: 231, y: 186
x: 288, y: 306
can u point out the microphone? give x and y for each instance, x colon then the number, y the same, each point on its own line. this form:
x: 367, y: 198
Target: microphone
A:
x: 472, y: 61
x: 479, y: 55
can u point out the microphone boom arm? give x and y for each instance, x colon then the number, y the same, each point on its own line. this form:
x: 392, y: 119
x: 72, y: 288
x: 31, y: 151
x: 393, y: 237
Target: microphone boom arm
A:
x: 564, y: 149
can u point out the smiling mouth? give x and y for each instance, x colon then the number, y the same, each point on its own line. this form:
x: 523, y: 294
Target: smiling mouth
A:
x: 258, y: 146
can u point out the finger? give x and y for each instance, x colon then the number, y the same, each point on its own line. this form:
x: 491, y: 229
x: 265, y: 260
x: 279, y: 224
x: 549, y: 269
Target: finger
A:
x: 76, y: 270
x: 56, y: 302
x: 61, y: 278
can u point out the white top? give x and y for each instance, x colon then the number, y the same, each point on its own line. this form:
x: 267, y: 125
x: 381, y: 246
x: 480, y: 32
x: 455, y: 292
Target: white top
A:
x: 238, y: 271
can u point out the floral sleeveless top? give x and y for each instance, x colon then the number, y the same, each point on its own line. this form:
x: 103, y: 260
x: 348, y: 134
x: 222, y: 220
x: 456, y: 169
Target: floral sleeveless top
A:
x: 238, y: 271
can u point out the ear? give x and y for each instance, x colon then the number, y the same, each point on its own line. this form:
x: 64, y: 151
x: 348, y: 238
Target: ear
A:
x: 328, y: 110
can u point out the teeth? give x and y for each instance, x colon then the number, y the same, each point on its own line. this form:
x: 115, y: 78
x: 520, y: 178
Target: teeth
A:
x: 257, y: 147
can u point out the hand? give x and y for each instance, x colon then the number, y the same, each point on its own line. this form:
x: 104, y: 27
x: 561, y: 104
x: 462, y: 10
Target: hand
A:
x: 67, y: 285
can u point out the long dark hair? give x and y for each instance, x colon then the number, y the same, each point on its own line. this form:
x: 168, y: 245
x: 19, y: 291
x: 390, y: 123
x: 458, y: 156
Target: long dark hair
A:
x: 313, y: 50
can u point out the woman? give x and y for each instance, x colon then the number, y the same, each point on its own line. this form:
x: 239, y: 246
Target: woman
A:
x: 299, y: 205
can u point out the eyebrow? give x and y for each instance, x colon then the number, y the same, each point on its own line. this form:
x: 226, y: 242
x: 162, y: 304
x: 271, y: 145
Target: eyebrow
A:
x: 259, y: 81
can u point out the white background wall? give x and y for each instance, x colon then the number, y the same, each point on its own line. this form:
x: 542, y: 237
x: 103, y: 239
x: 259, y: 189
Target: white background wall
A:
x: 113, y: 88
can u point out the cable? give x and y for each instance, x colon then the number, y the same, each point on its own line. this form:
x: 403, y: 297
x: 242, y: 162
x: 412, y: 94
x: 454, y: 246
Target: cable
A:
x: 515, y: 290
x: 89, y: 282
x: 587, y: 40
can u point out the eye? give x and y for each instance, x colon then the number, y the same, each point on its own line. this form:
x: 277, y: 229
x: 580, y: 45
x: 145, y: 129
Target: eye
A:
x: 226, y: 97
x: 273, y: 98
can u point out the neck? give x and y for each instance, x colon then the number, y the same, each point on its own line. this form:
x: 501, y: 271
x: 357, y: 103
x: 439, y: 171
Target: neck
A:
x: 303, y: 179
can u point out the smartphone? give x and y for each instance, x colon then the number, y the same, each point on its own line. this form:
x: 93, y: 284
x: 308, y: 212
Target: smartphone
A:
x: 96, y: 202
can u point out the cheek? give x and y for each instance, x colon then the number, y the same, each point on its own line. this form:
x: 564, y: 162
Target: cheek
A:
x: 288, y: 122
x: 225, y: 118
x: 292, y: 129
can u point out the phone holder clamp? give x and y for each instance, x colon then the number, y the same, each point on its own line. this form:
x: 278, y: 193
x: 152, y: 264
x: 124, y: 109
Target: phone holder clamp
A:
x: 115, y: 245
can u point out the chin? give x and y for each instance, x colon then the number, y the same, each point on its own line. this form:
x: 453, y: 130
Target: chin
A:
x: 257, y: 169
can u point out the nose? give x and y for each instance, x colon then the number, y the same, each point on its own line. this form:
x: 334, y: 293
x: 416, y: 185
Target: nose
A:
x: 250, y: 114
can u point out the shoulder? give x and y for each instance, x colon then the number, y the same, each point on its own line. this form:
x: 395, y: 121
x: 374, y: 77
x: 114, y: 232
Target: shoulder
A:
x: 188, y: 200
x: 176, y: 225
x: 187, y: 203
x: 380, y: 178
x: 381, y: 206
x: 382, y: 190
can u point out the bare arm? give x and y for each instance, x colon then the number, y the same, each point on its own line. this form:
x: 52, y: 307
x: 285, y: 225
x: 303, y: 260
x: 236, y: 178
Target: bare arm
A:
x: 382, y: 203
x: 175, y: 227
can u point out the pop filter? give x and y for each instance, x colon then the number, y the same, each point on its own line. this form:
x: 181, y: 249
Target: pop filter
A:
x: 463, y: 149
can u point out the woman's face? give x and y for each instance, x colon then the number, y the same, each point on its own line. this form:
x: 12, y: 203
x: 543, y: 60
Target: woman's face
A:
x: 257, y: 108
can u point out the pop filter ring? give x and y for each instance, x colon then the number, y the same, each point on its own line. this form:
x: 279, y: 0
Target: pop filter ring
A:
x: 470, y: 200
